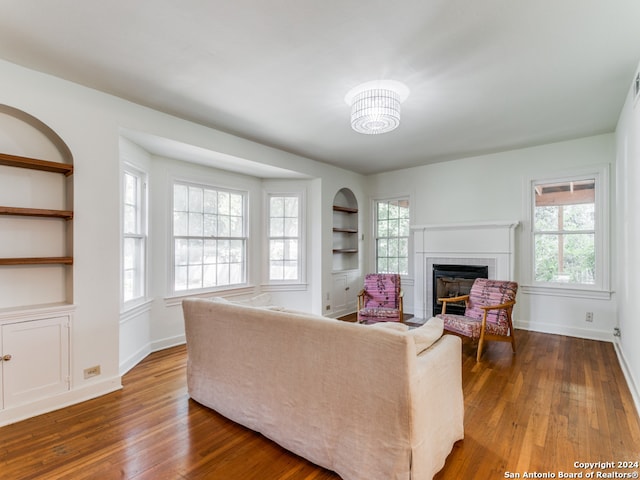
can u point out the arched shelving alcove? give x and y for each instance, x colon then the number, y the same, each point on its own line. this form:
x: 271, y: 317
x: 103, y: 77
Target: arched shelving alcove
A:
x: 36, y: 212
x: 345, y: 231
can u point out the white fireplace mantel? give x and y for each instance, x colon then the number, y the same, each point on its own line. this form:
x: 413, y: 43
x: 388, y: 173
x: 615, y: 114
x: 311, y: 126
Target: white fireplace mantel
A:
x: 478, y: 243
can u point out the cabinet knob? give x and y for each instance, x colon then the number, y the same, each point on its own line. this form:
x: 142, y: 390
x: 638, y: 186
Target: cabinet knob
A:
x: 6, y: 358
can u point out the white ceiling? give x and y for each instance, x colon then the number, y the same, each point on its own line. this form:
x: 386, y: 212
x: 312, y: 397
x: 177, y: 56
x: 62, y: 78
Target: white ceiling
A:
x: 484, y: 75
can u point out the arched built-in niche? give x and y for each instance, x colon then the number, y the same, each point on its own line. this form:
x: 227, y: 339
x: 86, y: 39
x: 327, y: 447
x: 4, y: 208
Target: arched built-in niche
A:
x: 36, y: 209
x: 345, y: 230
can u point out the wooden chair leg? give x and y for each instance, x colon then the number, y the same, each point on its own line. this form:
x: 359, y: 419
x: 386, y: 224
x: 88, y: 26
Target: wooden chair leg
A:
x: 481, y: 341
x: 511, y: 334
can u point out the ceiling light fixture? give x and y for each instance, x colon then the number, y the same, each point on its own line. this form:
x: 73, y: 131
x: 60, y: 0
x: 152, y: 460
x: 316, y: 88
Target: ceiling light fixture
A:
x: 375, y: 106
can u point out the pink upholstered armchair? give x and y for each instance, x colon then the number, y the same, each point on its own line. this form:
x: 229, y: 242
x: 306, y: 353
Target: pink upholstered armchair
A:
x: 381, y: 299
x: 487, y: 315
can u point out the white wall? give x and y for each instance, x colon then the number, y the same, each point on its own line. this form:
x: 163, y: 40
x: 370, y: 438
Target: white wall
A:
x: 90, y: 122
x: 628, y: 240
x: 490, y: 188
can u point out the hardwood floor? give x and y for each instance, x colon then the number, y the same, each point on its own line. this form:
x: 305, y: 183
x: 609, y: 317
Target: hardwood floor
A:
x: 560, y: 400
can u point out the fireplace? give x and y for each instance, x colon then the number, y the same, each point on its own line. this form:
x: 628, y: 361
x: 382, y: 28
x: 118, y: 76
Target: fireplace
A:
x: 452, y: 281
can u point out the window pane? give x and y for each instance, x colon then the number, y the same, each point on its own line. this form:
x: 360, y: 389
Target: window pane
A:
x: 404, y: 227
x: 579, y: 260
x: 195, y: 276
x: 181, y: 248
x: 210, y: 227
x: 195, y: 252
x: 209, y: 252
x: 223, y: 226
x: 291, y: 249
x: 276, y: 227
x: 130, y: 220
x: 129, y: 254
x: 195, y: 199
x: 180, y: 195
x: 209, y: 276
x: 223, y: 274
x: 236, y: 251
x: 180, y: 223
x: 195, y: 224
x: 579, y: 217
x: 236, y: 226
x: 276, y: 270
x: 277, y: 207
x: 383, y: 228
x: 383, y: 247
x: 235, y: 204
x: 180, y: 282
x: 290, y: 270
x: 223, y: 203
x: 383, y: 211
x: 210, y: 201
x: 382, y: 265
x: 291, y: 207
x: 546, y: 219
x: 291, y: 227
x: 130, y: 189
x: 276, y: 250
x: 546, y: 258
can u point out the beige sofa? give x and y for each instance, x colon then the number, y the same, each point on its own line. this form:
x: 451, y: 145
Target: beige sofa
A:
x: 367, y: 402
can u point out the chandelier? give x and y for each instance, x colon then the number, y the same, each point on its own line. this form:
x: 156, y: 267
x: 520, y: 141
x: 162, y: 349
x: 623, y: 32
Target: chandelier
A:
x: 375, y: 106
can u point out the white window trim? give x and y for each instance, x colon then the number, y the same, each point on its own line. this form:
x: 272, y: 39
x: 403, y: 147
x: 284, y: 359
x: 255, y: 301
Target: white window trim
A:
x: 601, y: 288
x: 144, y: 227
x: 406, y: 279
x: 174, y: 295
x: 281, y: 285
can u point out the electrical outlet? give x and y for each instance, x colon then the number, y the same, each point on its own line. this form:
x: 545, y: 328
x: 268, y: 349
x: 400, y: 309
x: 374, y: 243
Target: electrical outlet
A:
x: 327, y: 308
x: 589, y: 317
x: 92, y: 371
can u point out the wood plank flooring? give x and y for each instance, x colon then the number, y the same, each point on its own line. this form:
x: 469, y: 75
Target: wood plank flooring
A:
x: 559, y: 400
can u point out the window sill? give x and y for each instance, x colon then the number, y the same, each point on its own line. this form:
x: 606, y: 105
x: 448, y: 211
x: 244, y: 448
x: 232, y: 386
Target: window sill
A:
x: 173, y: 300
x: 134, y: 309
x: 562, y: 291
x: 283, y: 287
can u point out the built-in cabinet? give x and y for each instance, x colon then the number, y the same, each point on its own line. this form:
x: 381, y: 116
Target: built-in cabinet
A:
x: 34, y: 359
x: 344, y: 291
x: 36, y: 261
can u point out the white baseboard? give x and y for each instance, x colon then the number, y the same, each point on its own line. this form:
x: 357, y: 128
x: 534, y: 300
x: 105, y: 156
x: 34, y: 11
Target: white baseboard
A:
x: 168, y: 342
x: 602, y: 335
x: 134, y: 359
x: 633, y: 388
x: 45, y: 405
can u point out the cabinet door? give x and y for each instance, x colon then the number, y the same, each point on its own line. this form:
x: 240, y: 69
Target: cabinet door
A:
x: 39, y: 362
x: 339, y: 293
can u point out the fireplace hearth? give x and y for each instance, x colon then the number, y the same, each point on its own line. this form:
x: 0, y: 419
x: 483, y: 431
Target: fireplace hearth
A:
x: 453, y: 281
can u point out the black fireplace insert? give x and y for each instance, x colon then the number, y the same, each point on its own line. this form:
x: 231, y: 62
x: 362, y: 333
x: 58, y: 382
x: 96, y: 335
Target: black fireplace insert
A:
x: 453, y: 281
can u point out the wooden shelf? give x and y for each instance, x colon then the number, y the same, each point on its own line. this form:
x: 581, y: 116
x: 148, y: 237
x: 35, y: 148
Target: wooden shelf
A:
x: 345, y: 250
x: 37, y: 261
x: 338, y: 208
x: 345, y: 230
x: 35, y: 164
x: 36, y: 212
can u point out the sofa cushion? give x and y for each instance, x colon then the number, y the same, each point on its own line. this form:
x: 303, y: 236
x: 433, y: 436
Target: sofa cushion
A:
x: 426, y: 335
x: 379, y: 312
